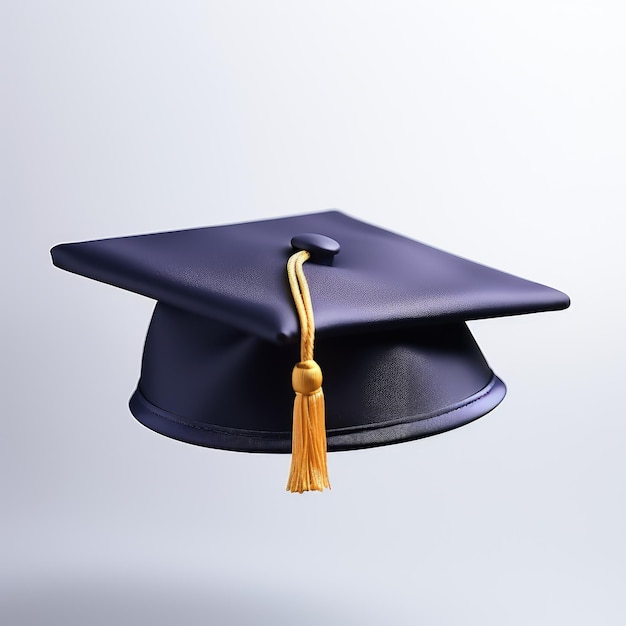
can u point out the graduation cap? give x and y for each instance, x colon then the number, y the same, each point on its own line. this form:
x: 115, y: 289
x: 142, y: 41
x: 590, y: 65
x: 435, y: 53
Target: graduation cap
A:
x: 238, y: 305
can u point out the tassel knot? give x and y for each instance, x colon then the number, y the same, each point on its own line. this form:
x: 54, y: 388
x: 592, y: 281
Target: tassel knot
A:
x: 306, y: 377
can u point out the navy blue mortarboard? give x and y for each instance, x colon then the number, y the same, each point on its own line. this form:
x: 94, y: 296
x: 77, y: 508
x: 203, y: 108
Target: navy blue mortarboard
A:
x: 389, y: 313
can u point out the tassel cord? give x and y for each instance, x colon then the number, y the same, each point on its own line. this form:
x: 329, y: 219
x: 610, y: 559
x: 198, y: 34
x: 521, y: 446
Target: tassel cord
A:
x: 302, y: 300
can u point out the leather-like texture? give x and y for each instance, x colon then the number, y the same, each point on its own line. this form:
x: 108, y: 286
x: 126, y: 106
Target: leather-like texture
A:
x: 207, y: 383
x: 236, y: 275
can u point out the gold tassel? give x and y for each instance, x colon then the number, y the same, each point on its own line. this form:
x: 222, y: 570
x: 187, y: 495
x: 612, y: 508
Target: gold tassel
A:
x: 309, y: 471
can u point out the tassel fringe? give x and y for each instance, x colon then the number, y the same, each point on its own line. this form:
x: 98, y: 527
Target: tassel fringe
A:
x: 309, y: 471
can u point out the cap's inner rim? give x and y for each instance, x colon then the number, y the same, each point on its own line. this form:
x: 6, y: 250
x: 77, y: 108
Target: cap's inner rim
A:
x: 339, y: 439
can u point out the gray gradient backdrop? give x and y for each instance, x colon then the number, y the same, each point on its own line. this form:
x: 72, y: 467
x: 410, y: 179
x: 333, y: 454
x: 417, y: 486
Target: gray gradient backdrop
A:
x: 495, y: 130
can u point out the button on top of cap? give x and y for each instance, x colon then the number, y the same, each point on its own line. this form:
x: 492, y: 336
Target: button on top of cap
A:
x: 322, y: 248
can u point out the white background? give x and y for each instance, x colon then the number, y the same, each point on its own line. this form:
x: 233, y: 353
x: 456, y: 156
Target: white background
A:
x: 495, y: 130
